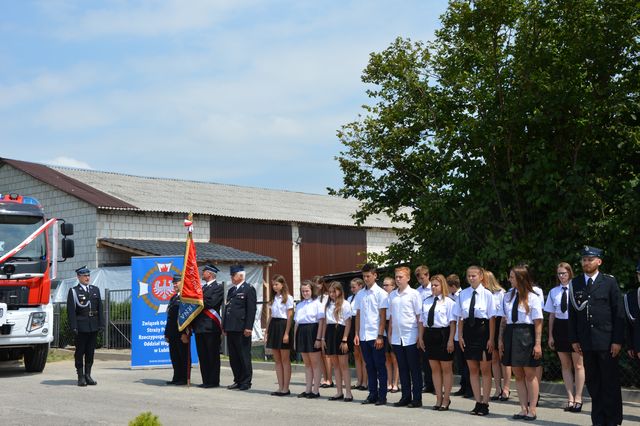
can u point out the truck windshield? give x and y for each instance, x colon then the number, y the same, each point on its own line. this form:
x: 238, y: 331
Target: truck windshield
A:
x: 14, y: 230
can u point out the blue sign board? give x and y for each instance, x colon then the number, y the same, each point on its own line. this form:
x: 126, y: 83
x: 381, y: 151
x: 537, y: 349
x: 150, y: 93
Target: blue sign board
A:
x: 151, y: 289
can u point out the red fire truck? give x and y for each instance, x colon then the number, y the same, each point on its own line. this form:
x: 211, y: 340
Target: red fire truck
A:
x: 28, y: 263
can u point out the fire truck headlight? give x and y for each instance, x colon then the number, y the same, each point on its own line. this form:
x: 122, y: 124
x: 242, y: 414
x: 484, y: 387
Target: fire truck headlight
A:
x: 36, y: 320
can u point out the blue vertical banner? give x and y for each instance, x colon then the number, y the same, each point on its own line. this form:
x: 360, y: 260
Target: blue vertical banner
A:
x: 151, y: 289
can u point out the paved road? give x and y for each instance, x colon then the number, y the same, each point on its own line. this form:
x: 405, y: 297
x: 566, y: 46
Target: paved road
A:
x: 52, y: 398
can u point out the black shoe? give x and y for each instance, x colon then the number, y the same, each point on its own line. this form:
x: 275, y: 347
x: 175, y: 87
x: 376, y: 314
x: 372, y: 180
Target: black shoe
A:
x: 415, y: 404
x: 89, y: 380
x: 349, y: 399
x: 504, y: 397
x: 287, y: 393
x: 428, y: 389
x: 361, y: 387
x: 530, y: 418
x: 208, y: 386
x: 402, y: 403
x: 476, y: 409
x: 368, y: 401
x: 382, y: 401
x: 244, y: 387
x: 436, y: 407
x: 484, y: 410
x: 170, y: 382
x: 302, y: 395
x: 180, y: 383
x: 445, y: 407
x: 577, y: 407
x: 459, y: 392
x: 82, y: 381
x: 518, y: 416
x: 233, y: 386
x: 336, y: 398
x: 313, y: 395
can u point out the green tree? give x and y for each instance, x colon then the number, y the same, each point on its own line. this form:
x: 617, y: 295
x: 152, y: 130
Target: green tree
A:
x: 513, y: 136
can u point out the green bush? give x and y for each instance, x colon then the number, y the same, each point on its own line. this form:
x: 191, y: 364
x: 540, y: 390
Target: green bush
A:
x: 146, y: 419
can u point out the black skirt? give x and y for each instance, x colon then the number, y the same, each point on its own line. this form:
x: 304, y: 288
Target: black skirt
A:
x: 561, y: 335
x: 333, y: 339
x: 306, y: 338
x: 475, y: 340
x: 435, y: 342
x: 277, y: 327
x: 519, y: 340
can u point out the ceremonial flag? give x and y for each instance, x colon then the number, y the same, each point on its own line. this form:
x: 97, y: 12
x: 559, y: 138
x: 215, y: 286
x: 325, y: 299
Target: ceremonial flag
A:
x: 191, y: 295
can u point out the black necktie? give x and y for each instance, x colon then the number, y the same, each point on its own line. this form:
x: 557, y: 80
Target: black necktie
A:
x: 514, y: 309
x: 563, y: 300
x: 589, y: 282
x: 472, y: 309
x: 231, y: 292
x: 432, y: 312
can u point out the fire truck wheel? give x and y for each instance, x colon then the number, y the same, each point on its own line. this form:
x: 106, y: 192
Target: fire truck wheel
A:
x: 35, y: 358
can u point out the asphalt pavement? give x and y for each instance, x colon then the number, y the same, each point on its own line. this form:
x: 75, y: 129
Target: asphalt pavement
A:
x: 52, y: 398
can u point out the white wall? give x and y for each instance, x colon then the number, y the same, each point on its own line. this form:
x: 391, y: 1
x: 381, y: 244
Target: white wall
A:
x: 58, y: 204
x: 378, y: 240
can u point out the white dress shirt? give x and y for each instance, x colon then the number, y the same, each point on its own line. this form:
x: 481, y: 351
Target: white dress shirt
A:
x: 352, y: 301
x: 443, y: 314
x: 424, y: 291
x: 497, y: 301
x: 345, y: 313
x: 484, y: 306
x: 279, y: 309
x: 554, y: 302
x: 369, y: 302
x: 404, y: 308
x: 309, y: 311
x: 535, y: 308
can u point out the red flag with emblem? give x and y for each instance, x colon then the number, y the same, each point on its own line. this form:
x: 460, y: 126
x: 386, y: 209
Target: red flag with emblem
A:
x: 191, y: 294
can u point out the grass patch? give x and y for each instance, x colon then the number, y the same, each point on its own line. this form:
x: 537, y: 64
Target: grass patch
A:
x: 59, y: 355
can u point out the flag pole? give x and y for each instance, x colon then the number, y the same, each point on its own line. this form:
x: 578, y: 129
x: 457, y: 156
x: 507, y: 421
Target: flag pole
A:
x: 189, y: 224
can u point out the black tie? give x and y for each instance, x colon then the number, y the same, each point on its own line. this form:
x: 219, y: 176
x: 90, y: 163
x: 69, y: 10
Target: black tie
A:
x: 432, y: 312
x: 472, y: 309
x: 589, y: 282
x: 563, y: 301
x: 514, y: 309
x: 231, y: 292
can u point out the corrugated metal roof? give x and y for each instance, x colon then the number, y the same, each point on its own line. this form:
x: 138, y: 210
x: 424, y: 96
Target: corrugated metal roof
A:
x: 183, y: 196
x: 68, y: 184
x: 206, y: 252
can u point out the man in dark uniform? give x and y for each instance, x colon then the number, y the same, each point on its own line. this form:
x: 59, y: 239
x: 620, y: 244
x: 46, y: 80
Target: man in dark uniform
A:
x: 208, y: 328
x: 239, y: 315
x: 84, y: 309
x: 632, y: 308
x: 596, y: 330
x: 178, y: 341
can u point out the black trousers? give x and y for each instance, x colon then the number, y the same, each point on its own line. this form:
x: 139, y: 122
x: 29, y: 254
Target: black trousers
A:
x: 240, y: 357
x: 85, y: 348
x: 603, y: 382
x: 179, y: 353
x: 208, y: 346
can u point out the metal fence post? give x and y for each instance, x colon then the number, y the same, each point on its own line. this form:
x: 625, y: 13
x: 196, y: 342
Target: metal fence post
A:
x: 107, y: 316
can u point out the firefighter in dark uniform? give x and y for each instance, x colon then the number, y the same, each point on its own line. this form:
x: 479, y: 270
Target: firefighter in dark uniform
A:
x: 239, y: 315
x: 84, y: 309
x: 632, y: 309
x: 178, y: 341
x: 207, y: 328
x: 596, y: 330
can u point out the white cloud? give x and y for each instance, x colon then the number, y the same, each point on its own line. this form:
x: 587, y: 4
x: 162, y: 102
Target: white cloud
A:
x: 73, y: 116
x: 68, y: 162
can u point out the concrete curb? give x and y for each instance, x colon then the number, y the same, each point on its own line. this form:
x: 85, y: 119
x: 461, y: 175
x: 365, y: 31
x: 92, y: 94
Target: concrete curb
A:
x: 630, y: 395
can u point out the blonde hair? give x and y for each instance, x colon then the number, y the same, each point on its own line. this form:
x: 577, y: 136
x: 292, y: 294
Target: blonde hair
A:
x: 444, y: 288
x: 491, y: 283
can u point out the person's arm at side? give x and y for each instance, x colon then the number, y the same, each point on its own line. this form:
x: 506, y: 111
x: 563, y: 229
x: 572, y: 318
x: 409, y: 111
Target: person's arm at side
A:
x: 356, y: 339
x: 618, y: 318
x: 383, y: 321
x: 551, y: 342
x: 287, y: 329
x: 461, y: 334
x: 537, y: 346
x: 251, y: 306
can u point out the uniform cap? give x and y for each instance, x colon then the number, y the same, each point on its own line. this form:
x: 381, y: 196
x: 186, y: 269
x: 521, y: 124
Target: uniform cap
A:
x: 211, y: 268
x: 234, y: 269
x: 177, y: 277
x: 83, y: 270
x: 591, y: 251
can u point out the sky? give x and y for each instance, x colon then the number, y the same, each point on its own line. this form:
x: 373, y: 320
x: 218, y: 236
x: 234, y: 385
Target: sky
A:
x: 229, y: 91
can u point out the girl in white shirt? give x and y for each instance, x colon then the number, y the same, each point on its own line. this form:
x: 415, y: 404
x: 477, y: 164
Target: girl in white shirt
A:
x: 520, y: 338
x: 558, y: 308
x: 335, y: 336
x: 437, y: 327
x: 308, y: 339
x: 393, y: 371
x: 278, y: 333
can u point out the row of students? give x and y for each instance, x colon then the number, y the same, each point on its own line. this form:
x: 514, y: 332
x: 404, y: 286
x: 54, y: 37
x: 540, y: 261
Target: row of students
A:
x: 489, y: 324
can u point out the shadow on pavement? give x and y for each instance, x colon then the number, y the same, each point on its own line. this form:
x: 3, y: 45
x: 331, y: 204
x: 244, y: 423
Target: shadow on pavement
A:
x: 153, y: 382
x: 60, y: 382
